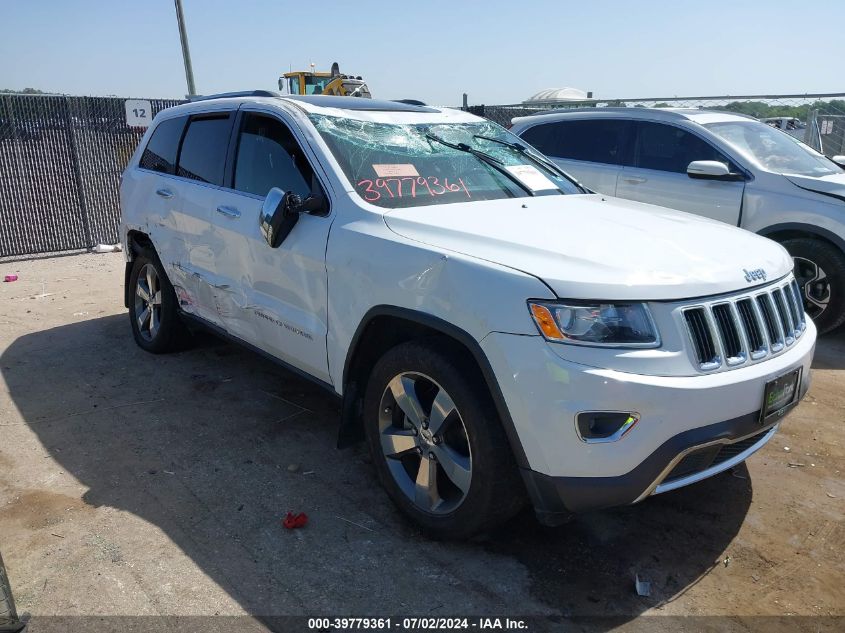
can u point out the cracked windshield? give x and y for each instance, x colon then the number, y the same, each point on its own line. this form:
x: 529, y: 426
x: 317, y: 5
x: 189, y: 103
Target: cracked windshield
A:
x: 405, y: 165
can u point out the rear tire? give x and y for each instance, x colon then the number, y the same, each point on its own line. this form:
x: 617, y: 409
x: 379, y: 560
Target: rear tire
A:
x: 447, y: 465
x: 820, y: 272
x: 153, y: 312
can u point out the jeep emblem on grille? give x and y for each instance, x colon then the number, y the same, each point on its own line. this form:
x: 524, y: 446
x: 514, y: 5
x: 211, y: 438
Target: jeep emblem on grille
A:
x: 758, y: 274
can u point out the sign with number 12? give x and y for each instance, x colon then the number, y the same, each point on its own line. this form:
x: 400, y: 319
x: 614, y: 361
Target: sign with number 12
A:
x: 138, y: 113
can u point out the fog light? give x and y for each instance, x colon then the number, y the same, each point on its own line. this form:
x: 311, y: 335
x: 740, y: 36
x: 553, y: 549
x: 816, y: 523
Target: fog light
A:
x: 604, y: 426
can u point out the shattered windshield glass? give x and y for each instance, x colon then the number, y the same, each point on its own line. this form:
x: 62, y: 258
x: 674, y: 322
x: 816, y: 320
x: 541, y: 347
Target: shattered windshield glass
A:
x: 405, y: 165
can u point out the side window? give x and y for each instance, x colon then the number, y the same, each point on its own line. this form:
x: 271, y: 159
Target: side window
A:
x: 269, y: 156
x: 669, y: 148
x: 542, y: 137
x: 593, y: 140
x: 160, y: 153
x: 203, y: 154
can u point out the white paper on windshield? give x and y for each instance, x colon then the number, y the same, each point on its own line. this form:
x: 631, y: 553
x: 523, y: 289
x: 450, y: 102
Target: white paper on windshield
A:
x: 531, y: 177
x: 397, y: 170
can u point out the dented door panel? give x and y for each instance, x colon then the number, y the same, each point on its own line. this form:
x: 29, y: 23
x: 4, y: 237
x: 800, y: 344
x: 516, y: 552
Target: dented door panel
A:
x: 189, y: 254
x: 273, y: 298
x: 229, y: 236
x: 287, y: 286
x: 289, y: 293
x: 176, y: 230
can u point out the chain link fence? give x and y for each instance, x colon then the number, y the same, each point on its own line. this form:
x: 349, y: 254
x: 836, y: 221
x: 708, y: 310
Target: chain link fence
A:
x: 831, y: 131
x: 60, y: 165
x: 816, y: 119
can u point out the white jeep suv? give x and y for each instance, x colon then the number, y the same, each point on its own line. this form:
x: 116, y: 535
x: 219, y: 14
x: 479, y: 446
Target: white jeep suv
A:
x: 495, y: 332
x: 724, y: 166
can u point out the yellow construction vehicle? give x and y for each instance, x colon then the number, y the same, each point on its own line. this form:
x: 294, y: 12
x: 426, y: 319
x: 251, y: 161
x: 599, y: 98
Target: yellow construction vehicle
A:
x: 303, y: 82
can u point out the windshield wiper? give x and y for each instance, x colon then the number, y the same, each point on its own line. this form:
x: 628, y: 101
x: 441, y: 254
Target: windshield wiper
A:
x: 492, y: 161
x: 532, y: 155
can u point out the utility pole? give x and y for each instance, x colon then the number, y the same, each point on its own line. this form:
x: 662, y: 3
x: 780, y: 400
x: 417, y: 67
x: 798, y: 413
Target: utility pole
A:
x: 186, y: 52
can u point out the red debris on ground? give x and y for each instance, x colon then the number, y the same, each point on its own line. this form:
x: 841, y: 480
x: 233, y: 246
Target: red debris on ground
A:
x: 293, y: 521
x: 10, y: 278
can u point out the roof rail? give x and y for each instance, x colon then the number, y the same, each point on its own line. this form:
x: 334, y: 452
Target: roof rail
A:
x: 645, y: 111
x: 673, y: 112
x: 242, y: 93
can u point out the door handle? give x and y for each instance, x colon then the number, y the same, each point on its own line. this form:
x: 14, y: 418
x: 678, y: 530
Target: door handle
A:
x: 164, y: 193
x: 634, y: 180
x: 229, y: 212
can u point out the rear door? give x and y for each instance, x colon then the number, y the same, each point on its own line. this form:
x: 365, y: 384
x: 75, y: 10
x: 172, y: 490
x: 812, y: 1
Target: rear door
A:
x: 274, y: 298
x: 657, y: 173
x: 174, y: 222
x: 589, y: 149
x: 199, y: 176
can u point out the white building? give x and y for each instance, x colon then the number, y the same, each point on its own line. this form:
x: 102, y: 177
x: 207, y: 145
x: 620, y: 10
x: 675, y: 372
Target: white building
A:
x: 558, y: 95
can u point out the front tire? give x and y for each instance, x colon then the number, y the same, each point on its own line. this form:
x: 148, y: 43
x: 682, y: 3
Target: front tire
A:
x: 820, y: 273
x: 153, y: 312
x: 437, y: 443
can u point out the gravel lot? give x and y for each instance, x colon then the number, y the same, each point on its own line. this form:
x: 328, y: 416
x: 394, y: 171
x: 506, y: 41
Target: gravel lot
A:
x: 139, y: 485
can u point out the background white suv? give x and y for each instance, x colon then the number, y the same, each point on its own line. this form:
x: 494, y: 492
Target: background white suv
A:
x: 492, y: 329
x: 724, y: 166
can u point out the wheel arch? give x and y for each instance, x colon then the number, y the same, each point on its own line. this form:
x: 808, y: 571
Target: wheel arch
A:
x: 136, y: 241
x: 791, y: 230
x: 384, y: 327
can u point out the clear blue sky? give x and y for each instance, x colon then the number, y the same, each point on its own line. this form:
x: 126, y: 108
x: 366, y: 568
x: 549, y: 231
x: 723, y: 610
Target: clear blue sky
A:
x: 496, y: 51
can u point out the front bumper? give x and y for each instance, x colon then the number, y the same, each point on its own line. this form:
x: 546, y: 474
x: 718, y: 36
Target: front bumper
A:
x: 682, y: 419
x: 555, y: 498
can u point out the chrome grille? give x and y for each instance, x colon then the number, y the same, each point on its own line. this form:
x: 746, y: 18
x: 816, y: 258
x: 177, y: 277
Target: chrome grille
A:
x: 746, y: 328
x: 795, y: 308
x: 729, y: 333
x: 702, y: 340
x: 772, y: 324
x: 799, y: 299
x: 753, y: 328
x: 785, y: 319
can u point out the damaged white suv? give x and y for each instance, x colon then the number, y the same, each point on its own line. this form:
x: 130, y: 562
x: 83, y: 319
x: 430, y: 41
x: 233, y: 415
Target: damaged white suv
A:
x: 496, y: 333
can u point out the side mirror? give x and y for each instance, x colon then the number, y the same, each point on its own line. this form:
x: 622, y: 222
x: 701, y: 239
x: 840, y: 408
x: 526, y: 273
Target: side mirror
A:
x: 839, y: 160
x: 276, y: 220
x: 711, y: 170
x: 280, y: 213
x: 313, y: 204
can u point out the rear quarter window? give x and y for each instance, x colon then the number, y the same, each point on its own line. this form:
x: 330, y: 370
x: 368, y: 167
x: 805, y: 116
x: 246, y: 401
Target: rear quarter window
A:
x: 160, y: 153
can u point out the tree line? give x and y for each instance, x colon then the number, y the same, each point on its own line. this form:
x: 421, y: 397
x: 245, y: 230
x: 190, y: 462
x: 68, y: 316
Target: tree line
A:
x: 763, y: 110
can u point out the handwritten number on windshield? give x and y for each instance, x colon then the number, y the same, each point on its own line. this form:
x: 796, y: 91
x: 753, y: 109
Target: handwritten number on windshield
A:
x: 409, y: 187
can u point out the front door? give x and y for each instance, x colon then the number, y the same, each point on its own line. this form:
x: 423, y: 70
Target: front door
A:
x: 275, y: 298
x: 658, y: 174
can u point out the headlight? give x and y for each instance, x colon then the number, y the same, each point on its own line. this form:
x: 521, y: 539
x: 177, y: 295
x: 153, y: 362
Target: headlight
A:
x: 596, y: 323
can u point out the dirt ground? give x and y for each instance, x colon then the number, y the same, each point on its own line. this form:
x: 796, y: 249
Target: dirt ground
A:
x: 132, y: 484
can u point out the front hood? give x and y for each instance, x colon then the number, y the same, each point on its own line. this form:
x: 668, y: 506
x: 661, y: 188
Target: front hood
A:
x: 598, y: 247
x: 832, y: 185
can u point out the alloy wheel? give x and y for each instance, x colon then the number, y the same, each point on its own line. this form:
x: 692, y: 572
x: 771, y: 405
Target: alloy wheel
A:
x: 814, y: 284
x: 424, y: 442
x: 148, y: 302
